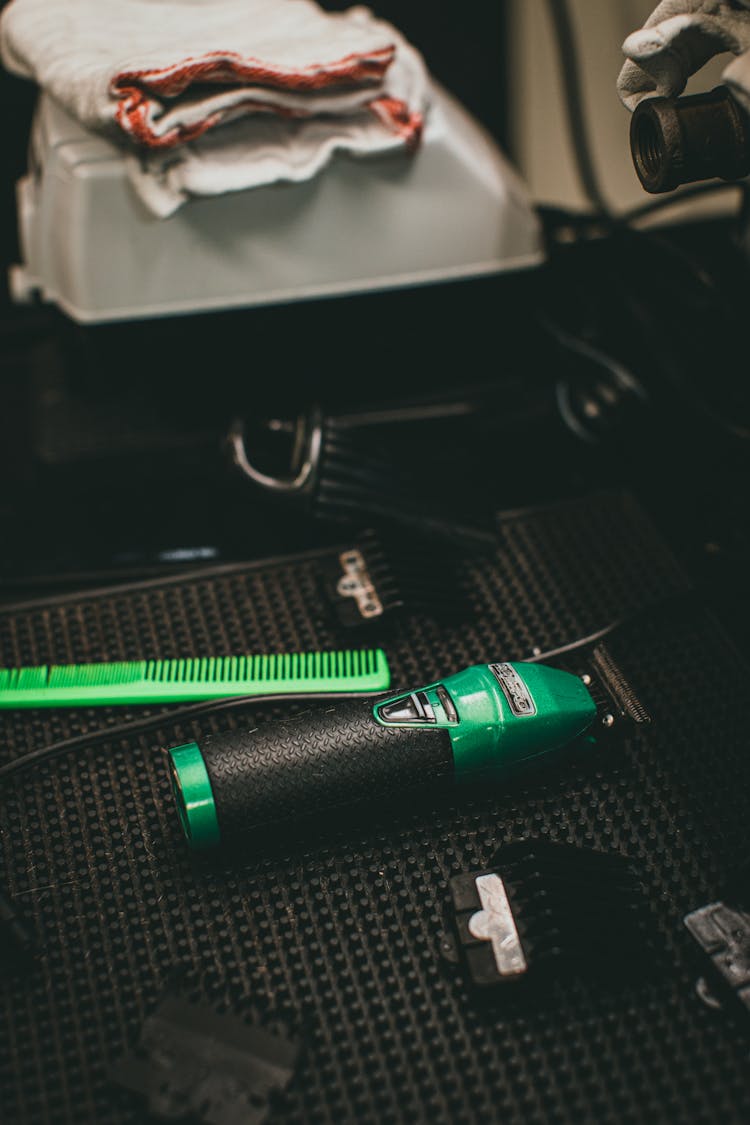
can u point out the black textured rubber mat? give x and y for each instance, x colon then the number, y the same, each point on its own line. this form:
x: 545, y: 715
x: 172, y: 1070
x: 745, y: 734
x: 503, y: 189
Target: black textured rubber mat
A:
x: 339, y: 938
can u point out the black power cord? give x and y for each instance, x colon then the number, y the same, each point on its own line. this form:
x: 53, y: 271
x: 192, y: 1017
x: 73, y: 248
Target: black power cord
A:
x: 164, y: 719
x: 663, y: 202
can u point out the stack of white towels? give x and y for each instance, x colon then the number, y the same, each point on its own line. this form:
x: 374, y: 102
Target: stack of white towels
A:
x: 209, y: 96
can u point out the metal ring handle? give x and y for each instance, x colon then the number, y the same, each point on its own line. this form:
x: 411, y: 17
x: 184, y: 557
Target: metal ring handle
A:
x: 308, y: 439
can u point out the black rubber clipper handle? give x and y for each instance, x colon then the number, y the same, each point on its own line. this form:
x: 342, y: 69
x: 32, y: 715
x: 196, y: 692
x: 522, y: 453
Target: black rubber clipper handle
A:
x: 317, y: 761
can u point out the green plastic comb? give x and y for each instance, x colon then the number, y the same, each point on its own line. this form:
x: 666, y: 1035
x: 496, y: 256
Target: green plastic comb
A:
x: 211, y: 677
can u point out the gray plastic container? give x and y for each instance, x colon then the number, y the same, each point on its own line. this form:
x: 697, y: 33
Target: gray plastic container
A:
x: 455, y: 209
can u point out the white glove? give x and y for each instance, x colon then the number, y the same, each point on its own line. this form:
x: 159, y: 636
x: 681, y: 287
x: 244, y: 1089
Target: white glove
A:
x: 678, y: 38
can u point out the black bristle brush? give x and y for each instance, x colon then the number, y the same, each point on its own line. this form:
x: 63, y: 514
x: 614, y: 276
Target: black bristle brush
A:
x: 337, y: 473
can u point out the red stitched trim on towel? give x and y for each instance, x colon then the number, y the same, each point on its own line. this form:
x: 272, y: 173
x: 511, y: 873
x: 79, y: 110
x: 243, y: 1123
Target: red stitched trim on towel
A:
x: 132, y: 116
x: 132, y: 88
x: 397, y: 116
x: 232, y: 67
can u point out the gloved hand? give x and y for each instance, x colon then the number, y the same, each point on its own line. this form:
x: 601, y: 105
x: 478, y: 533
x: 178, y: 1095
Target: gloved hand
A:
x: 678, y: 38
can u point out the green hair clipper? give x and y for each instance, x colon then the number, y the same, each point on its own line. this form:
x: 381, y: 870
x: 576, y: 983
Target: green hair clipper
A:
x: 483, y: 722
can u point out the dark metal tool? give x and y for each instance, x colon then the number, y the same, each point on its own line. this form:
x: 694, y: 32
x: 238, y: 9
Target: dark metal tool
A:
x: 676, y: 141
x: 195, y: 1063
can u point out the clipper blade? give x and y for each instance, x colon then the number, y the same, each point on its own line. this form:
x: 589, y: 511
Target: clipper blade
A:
x: 617, y: 702
x: 617, y: 686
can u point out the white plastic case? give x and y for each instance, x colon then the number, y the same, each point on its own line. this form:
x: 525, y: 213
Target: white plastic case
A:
x: 455, y: 209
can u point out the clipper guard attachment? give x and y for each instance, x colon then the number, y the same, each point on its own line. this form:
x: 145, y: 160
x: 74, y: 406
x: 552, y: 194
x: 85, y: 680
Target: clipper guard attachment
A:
x: 545, y: 910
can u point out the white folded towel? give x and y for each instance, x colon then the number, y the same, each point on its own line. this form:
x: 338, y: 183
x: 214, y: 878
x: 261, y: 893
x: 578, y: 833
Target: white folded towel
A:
x: 164, y: 73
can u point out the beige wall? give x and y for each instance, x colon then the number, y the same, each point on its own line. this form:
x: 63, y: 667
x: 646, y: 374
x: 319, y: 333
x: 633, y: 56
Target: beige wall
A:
x: 538, y: 121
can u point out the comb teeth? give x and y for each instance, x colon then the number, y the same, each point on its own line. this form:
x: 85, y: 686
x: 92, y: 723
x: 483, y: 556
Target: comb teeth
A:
x: 346, y: 663
x: 151, y: 681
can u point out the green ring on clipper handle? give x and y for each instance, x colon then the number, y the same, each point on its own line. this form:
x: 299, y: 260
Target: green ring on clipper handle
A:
x: 194, y: 796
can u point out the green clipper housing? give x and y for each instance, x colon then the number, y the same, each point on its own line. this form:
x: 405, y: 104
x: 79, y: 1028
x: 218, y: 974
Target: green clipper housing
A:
x: 485, y: 721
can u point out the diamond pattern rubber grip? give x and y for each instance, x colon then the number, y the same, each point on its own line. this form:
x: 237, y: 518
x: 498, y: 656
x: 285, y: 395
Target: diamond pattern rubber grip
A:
x: 317, y: 762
